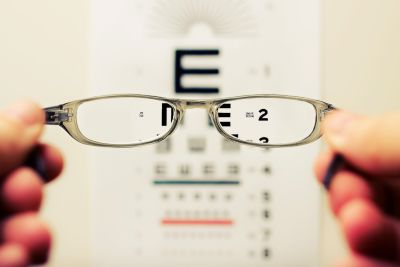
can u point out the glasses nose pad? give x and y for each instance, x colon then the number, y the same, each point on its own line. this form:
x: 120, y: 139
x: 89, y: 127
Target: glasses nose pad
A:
x: 210, y: 121
x: 181, y: 118
x: 211, y: 117
x: 180, y: 114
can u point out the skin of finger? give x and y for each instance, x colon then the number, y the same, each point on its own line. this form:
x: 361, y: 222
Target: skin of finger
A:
x: 22, y: 190
x: 370, y: 143
x: 368, y: 231
x: 347, y: 186
x: 29, y: 231
x: 13, y: 255
x: 16, y: 138
x: 53, y: 160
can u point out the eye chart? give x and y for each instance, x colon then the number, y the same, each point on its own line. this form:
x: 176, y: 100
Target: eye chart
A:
x: 197, y: 199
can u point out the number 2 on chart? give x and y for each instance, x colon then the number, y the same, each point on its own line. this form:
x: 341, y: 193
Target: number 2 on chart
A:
x: 263, y: 116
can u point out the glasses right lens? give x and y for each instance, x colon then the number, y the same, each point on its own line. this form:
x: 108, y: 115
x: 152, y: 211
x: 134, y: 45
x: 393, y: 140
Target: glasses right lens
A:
x: 261, y: 120
x: 125, y: 120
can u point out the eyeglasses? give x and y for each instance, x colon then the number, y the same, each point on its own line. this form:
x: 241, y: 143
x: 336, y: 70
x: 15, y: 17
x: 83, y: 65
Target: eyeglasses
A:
x: 129, y: 120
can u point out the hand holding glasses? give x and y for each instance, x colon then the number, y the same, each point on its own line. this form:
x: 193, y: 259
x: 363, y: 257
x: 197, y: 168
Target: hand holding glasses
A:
x: 129, y: 120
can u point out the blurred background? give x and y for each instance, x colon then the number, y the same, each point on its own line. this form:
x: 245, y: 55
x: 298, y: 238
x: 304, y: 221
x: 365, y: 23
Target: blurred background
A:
x: 44, y: 56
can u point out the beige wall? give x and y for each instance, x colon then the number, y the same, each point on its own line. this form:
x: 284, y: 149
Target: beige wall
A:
x: 361, y: 52
x: 43, y: 50
x: 42, y: 57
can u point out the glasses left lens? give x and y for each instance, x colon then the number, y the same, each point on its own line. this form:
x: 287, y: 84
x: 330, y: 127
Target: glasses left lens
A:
x: 125, y: 120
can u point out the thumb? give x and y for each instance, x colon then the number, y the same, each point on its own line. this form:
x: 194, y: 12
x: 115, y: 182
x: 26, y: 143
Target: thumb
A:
x: 371, y: 144
x: 20, y: 127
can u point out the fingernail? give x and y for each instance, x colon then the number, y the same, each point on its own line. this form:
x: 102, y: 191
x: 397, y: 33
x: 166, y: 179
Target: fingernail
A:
x: 337, y: 125
x: 36, y: 161
x: 336, y: 163
x: 24, y: 112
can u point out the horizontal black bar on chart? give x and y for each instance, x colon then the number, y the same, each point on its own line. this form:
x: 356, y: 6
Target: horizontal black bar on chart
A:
x: 195, y: 182
x: 225, y: 123
x: 224, y: 115
x: 200, y: 71
x: 226, y: 105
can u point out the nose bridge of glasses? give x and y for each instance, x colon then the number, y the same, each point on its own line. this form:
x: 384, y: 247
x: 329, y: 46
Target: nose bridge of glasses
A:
x: 189, y: 104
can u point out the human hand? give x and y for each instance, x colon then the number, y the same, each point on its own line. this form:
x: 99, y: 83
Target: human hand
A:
x: 25, y: 239
x: 365, y: 193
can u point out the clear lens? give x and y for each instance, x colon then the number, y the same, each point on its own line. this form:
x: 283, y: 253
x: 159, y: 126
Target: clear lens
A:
x: 125, y: 120
x: 276, y: 121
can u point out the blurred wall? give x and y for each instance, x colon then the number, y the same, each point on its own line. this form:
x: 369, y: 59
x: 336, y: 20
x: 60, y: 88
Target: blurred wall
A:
x: 43, y: 50
x: 361, y: 63
x: 43, y: 56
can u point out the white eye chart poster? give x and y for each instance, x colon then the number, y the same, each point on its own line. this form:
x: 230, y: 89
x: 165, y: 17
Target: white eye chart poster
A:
x: 164, y: 204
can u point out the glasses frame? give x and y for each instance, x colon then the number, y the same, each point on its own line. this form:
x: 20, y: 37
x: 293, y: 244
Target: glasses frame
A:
x: 64, y: 116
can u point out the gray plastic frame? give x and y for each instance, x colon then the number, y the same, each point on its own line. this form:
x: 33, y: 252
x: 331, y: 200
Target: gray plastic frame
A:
x: 64, y: 116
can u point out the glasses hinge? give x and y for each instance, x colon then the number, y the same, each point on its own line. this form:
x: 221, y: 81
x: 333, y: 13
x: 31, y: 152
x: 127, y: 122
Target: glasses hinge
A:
x: 56, y: 115
x: 329, y: 109
x: 325, y: 111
